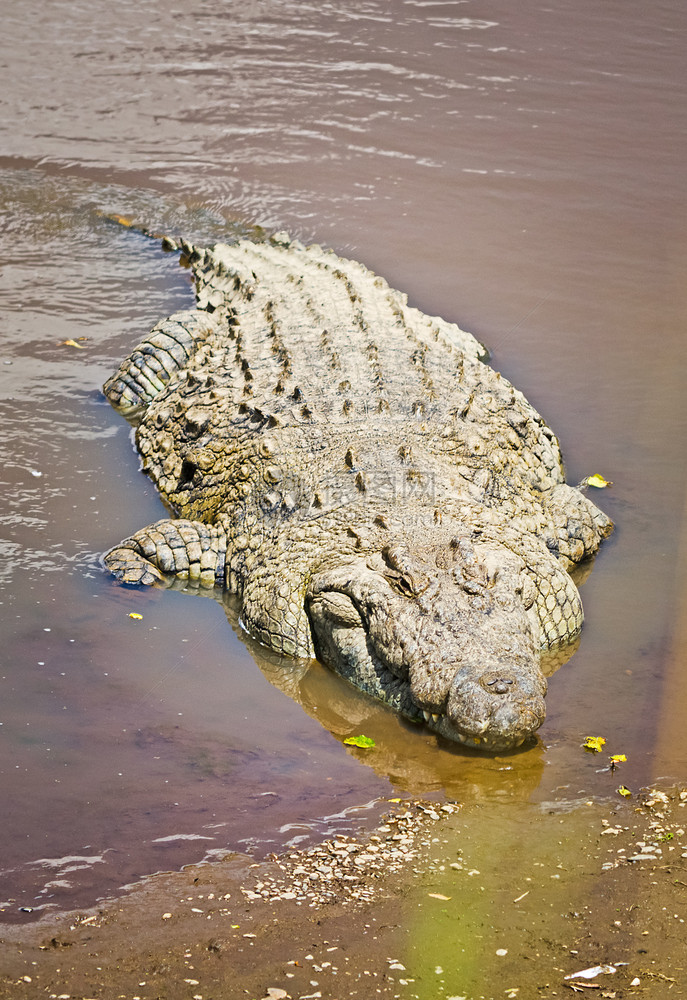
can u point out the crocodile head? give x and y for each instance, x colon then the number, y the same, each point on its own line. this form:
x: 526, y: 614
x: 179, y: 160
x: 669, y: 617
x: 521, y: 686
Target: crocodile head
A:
x: 449, y: 636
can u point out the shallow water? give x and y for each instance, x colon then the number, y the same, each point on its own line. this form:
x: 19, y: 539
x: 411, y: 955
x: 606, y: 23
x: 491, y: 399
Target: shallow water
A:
x: 518, y: 171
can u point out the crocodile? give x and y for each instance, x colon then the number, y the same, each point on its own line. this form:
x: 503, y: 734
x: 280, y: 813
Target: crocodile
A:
x: 376, y: 495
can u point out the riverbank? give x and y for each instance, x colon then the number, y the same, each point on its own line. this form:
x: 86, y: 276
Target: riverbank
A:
x: 436, y: 902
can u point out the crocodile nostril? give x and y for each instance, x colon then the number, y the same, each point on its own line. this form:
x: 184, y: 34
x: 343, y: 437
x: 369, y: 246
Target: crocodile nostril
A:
x: 499, y: 685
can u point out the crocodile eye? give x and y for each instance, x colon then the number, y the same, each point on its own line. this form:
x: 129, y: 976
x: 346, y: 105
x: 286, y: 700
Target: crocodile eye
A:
x: 402, y: 585
x: 405, y: 574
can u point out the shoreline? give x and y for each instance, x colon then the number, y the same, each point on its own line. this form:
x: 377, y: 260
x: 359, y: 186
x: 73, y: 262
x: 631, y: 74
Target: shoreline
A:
x: 367, y: 917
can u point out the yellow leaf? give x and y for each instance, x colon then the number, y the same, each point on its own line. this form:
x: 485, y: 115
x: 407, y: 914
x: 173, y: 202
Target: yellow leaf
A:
x: 437, y: 895
x: 618, y: 758
x: 121, y: 219
x: 624, y: 791
x: 598, y: 481
x: 594, y: 743
x: 72, y: 343
x: 134, y: 614
x: 394, y: 800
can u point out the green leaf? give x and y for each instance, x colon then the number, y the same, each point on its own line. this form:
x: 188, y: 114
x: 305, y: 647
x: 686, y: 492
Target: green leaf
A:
x: 364, y: 742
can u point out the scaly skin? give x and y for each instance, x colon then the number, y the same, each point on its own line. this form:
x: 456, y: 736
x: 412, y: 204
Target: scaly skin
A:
x: 375, y: 493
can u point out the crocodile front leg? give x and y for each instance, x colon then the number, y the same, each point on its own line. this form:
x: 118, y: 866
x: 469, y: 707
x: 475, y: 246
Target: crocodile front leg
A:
x: 187, y: 550
x: 578, y: 523
x: 165, y: 351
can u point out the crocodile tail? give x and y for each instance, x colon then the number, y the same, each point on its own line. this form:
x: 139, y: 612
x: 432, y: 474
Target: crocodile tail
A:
x: 168, y: 242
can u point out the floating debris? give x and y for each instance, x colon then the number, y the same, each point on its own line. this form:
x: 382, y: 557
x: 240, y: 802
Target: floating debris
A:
x: 594, y: 743
x: 72, y: 343
x: 597, y: 481
x: 363, y: 742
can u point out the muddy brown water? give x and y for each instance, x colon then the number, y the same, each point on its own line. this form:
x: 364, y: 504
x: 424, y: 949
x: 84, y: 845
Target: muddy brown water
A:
x: 518, y: 169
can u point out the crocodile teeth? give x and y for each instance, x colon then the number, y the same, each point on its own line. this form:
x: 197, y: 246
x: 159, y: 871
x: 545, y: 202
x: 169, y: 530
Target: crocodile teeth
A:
x: 430, y: 716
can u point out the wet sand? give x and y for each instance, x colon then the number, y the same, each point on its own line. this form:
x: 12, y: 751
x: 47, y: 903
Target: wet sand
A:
x: 237, y: 928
